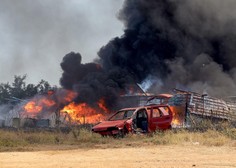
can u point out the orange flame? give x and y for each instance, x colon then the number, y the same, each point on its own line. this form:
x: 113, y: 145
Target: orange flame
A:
x: 176, y: 121
x: 70, y: 96
x: 177, y: 113
x: 101, y: 105
x: 37, y: 104
x: 83, y: 113
x: 34, y: 107
x: 78, y: 113
x: 31, y: 107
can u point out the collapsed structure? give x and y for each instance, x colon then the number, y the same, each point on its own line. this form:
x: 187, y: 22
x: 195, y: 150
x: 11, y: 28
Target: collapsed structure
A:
x: 190, y: 108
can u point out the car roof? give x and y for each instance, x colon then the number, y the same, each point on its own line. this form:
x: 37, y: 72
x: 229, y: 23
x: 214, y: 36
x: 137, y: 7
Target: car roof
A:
x: 144, y: 107
x: 133, y: 108
x: 156, y: 105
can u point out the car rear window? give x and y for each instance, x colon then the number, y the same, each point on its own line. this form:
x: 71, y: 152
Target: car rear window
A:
x: 164, y: 110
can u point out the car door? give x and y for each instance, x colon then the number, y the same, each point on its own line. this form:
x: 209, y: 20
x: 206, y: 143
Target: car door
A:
x: 160, y: 118
x: 140, y: 120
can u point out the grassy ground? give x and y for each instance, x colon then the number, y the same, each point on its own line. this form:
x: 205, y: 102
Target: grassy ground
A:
x: 20, y: 140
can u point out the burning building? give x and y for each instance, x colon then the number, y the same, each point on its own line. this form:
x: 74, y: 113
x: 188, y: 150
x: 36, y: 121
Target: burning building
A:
x: 54, y: 110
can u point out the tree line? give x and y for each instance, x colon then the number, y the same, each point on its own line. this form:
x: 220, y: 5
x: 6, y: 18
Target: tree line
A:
x: 19, y: 89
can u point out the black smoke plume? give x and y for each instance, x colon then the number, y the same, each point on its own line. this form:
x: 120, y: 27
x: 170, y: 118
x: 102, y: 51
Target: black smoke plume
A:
x: 184, y: 44
x: 92, y: 82
x: 167, y: 44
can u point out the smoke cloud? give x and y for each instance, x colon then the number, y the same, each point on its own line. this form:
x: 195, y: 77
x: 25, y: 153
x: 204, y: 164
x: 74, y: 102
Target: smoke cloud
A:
x: 185, y: 44
x: 166, y: 44
x: 91, y: 81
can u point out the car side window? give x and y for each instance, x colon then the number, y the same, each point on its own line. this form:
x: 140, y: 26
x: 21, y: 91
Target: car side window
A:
x: 141, y: 113
x: 156, y: 113
x: 128, y: 114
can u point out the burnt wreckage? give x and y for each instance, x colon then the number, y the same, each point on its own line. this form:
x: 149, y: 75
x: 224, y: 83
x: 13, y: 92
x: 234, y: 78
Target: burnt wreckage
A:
x: 190, y: 108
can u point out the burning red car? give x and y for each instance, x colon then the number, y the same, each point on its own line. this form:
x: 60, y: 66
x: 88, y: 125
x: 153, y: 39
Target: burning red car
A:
x: 140, y: 119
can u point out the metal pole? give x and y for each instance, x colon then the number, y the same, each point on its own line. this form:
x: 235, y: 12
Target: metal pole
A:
x: 186, y: 110
x: 203, y: 103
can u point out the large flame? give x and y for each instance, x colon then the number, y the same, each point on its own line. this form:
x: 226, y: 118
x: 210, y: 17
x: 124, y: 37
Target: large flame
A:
x: 35, y: 106
x: 47, y: 103
x: 78, y: 113
x: 82, y: 113
x: 31, y: 107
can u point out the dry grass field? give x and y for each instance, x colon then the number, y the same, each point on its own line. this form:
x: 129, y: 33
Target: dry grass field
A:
x: 81, y: 148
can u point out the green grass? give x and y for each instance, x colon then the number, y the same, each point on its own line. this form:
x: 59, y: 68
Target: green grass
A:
x: 19, y: 140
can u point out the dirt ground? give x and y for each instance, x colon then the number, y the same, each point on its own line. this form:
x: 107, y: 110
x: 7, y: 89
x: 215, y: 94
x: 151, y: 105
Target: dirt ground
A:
x: 138, y: 157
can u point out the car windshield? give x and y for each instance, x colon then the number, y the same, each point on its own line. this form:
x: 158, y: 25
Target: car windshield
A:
x: 121, y: 115
x: 157, y: 100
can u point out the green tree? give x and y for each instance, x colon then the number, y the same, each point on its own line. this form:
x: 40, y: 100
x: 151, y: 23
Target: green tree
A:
x: 18, y: 87
x: 4, y: 93
x: 43, y: 86
x: 30, y: 91
x: 20, y: 90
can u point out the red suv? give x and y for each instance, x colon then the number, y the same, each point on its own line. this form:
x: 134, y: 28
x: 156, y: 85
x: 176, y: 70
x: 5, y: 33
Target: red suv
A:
x: 140, y: 119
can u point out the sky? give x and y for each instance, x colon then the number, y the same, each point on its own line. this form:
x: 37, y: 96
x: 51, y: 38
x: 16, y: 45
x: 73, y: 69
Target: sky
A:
x: 36, y: 35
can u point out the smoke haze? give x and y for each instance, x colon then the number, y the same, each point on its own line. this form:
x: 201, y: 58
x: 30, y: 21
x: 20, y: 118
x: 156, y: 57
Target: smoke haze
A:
x: 34, y: 36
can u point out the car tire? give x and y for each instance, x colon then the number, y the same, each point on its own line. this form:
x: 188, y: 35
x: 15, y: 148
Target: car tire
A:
x: 121, y: 134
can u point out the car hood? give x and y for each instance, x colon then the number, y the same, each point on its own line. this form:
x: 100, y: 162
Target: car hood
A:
x: 106, y: 124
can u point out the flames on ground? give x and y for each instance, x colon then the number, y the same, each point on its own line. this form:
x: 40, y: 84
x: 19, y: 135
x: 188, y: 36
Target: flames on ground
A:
x: 176, y: 119
x: 36, y: 106
x: 83, y: 113
x: 79, y: 113
x: 178, y: 114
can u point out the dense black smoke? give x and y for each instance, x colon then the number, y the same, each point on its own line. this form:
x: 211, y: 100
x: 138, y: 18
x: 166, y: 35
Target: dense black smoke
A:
x: 184, y: 44
x: 166, y: 44
x: 91, y: 81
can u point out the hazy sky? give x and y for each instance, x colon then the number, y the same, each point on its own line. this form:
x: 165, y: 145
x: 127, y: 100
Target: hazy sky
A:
x: 36, y: 34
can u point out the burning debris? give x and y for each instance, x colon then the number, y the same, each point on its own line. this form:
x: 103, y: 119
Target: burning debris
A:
x: 161, y: 48
x: 57, y: 108
x: 82, y: 113
x: 166, y: 44
x: 190, y: 108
